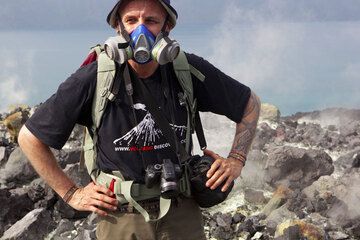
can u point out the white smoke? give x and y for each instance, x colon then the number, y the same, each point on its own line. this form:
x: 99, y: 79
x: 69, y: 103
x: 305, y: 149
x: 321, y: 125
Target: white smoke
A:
x: 11, y: 92
x: 351, y: 78
x: 257, y: 52
x: 15, y: 78
x: 288, y: 63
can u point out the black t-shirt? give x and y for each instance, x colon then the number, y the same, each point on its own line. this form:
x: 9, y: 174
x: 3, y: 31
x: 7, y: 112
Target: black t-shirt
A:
x: 121, y: 135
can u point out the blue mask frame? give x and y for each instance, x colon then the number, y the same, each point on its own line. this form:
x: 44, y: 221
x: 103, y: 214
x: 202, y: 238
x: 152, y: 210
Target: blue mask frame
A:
x: 142, y: 42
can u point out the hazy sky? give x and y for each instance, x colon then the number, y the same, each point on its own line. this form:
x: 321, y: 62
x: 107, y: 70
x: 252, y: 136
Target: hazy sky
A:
x: 299, y: 55
x: 49, y: 14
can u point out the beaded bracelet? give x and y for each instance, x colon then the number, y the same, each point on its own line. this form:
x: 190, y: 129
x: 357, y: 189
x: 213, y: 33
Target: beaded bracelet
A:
x: 70, y: 193
x: 238, y: 156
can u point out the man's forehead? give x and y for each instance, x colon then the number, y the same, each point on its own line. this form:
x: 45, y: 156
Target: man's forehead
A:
x: 149, y: 8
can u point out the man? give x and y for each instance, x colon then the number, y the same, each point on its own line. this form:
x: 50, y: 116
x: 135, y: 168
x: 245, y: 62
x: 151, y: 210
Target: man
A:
x: 52, y: 123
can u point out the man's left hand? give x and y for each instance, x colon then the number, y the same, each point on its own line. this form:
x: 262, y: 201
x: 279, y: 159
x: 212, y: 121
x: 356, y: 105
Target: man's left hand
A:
x: 222, y: 170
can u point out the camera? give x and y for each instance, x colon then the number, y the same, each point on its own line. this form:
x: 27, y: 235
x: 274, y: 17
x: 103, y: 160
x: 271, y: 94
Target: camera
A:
x: 167, y: 174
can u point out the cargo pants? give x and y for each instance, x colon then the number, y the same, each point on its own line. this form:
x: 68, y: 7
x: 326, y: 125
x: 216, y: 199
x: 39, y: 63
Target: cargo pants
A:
x: 184, y: 221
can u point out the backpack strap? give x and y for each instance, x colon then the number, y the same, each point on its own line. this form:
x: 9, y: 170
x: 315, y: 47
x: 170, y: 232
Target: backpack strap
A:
x: 97, y: 48
x: 105, y: 78
x: 183, y: 71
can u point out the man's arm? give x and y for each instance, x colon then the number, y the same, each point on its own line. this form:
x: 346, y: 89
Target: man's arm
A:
x: 245, y: 130
x: 42, y: 159
x: 230, y: 169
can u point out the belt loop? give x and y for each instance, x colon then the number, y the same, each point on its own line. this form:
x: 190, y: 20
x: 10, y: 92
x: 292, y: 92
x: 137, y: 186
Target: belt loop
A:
x: 130, y: 208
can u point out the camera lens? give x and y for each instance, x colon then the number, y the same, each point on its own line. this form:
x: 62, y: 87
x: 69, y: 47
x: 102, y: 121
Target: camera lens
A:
x: 168, y: 189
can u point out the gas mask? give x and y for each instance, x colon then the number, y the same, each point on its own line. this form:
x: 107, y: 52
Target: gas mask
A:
x: 142, y: 46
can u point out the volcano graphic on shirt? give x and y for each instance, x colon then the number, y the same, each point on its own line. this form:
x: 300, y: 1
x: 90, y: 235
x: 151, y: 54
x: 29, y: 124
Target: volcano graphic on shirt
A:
x: 145, y: 133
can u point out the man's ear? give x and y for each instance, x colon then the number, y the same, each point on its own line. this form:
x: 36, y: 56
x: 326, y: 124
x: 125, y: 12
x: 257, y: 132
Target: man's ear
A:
x: 118, y: 31
x: 168, y: 26
x: 120, y: 26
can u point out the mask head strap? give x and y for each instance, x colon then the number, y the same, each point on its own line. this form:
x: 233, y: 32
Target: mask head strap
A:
x: 163, y: 29
x: 122, y: 30
x: 163, y: 33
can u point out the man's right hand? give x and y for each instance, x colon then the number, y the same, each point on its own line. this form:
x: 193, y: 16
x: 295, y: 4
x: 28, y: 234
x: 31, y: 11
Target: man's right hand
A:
x: 94, y: 198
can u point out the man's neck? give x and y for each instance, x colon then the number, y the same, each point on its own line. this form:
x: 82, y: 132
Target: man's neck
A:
x: 144, y: 70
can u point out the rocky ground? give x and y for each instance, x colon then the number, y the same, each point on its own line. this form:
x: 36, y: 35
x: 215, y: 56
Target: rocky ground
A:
x: 300, y: 181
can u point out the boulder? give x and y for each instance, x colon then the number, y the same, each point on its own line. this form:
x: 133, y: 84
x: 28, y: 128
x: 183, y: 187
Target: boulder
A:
x: 264, y: 134
x: 41, y: 194
x: 17, y: 205
x: 341, y: 195
x: 305, y: 230
x: 3, y: 156
x: 35, y: 225
x: 67, y: 156
x: 356, y: 161
x: 278, y: 216
x: 321, y: 187
x: 311, y: 134
x: 279, y: 197
x: 269, y: 112
x: 14, y: 122
x: 350, y: 129
x: 220, y: 225
x: 345, y: 161
x: 18, y: 168
x: 338, y: 235
x: 63, y: 226
x: 254, y: 196
x: 296, y: 167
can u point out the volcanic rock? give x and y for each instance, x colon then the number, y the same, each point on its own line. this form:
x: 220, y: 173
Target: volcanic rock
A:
x: 282, y: 153
x: 347, y: 160
x: 269, y: 112
x: 35, y: 225
x: 264, y: 135
x: 255, y: 196
x: 296, y: 167
x: 278, y: 216
x: 278, y: 199
x: 17, y: 168
x: 3, y: 157
x: 41, y: 194
x: 304, y: 229
x: 356, y: 161
x: 15, y: 120
x: 338, y: 235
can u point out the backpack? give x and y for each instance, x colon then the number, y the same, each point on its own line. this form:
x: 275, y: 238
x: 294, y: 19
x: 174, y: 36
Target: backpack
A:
x: 106, y: 73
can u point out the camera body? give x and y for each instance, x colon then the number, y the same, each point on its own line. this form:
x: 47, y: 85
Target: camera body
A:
x: 168, y: 174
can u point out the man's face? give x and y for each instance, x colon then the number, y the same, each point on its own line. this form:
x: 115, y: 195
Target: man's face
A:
x: 148, y: 12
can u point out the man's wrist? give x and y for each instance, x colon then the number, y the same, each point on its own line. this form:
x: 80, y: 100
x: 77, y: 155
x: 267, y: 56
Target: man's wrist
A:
x: 238, y: 156
x: 68, y: 195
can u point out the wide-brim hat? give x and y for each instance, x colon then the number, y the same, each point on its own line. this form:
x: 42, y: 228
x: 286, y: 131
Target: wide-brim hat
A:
x: 113, y: 14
